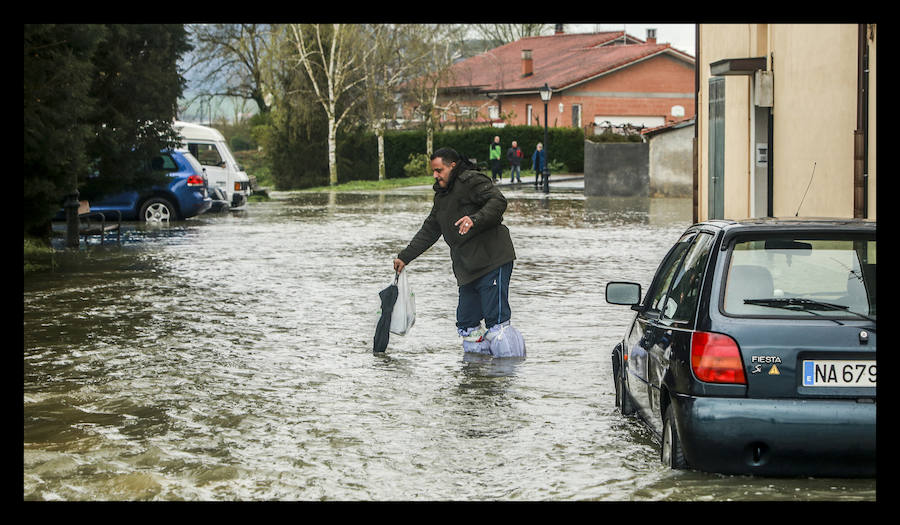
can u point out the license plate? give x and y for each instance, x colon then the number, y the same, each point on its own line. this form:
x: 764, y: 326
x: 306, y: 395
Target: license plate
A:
x: 830, y: 373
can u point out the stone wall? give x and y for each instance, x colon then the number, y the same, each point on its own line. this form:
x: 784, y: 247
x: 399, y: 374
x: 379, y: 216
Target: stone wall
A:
x: 672, y: 163
x: 616, y: 169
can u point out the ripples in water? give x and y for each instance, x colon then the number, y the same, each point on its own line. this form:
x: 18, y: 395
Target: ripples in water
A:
x: 229, y: 358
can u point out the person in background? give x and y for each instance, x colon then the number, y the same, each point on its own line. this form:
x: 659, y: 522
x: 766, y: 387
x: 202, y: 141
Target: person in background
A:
x: 538, y: 163
x: 494, y: 156
x: 514, y: 156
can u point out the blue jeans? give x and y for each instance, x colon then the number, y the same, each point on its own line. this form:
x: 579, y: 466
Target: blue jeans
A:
x: 485, y: 298
x: 515, y: 171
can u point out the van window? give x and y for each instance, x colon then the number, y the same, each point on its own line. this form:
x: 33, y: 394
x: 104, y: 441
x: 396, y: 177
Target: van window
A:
x: 207, y: 154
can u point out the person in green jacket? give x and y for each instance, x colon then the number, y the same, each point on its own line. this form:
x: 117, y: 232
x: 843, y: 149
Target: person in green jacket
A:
x: 494, y: 155
x: 468, y: 212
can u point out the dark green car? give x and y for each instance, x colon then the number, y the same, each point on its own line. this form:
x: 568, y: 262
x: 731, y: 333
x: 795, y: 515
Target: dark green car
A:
x: 753, y: 350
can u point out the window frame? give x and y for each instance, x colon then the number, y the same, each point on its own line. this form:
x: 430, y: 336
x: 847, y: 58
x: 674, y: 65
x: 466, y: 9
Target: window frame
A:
x: 195, y: 151
x: 671, y: 262
x: 702, y: 270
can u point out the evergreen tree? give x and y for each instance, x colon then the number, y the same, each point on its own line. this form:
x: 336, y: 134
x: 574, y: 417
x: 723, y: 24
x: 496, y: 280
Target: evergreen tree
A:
x: 58, y: 72
x: 136, y: 86
x: 100, y: 101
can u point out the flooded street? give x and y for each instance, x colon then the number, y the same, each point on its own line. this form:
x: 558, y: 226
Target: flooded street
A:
x: 229, y: 357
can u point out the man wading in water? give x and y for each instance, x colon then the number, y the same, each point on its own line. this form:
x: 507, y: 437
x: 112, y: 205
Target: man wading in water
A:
x: 468, y: 210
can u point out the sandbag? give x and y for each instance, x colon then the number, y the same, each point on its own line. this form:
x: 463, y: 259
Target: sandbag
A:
x: 403, y: 316
x: 506, y: 341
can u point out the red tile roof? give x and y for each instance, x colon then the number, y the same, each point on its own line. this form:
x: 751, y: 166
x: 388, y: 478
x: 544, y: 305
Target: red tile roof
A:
x: 688, y: 121
x: 559, y: 60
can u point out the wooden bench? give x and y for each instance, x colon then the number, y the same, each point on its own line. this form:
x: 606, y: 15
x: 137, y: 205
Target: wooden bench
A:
x: 87, y: 227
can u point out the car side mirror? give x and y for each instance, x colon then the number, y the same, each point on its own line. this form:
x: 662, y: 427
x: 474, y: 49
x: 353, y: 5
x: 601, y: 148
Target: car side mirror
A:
x: 623, y: 293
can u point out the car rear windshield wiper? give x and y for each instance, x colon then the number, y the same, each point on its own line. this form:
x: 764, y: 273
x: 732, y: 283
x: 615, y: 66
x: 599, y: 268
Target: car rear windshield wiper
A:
x: 806, y: 305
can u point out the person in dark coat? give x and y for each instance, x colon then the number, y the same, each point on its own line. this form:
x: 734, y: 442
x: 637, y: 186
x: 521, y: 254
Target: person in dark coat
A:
x: 514, y: 156
x: 468, y: 212
x: 538, y: 162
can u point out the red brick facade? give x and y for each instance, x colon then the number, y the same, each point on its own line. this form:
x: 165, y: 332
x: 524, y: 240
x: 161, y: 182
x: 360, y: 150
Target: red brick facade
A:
x: 638, y: 83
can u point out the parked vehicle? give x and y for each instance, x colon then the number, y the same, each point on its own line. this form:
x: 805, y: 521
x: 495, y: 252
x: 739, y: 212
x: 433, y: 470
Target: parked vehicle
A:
x: 222, y: 171
x: 753, y: 350
x: 183, y: 197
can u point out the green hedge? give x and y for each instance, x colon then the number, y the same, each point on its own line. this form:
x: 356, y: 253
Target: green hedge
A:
x: 358, y: 152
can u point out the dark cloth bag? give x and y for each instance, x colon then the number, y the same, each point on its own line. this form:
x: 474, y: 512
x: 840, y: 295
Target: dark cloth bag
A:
x: 383, y: 327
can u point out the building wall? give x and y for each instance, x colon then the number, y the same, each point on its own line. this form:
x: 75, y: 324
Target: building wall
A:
x: 637, y: 90
x: 671, y: 163
x: 717, y: 42
x: 814, y: 125
x: 616, y: 169
x: 815, y: 85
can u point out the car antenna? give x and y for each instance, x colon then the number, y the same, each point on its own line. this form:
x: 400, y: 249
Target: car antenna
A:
x: 807, y: 189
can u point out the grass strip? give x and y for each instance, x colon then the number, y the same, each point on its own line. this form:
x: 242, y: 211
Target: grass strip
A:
x: 369, y: 185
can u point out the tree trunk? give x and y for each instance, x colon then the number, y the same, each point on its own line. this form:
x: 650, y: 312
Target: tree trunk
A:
x: 332, y: 152
x: 379, y: 132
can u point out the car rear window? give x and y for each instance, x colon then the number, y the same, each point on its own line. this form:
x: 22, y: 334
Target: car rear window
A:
x: 163, y: 162
x: 796, y: 277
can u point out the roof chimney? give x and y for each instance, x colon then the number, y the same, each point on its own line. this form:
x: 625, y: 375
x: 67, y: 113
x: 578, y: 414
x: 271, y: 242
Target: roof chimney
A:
x: 559, y: 29
x: 527, y: 63
x: 651, y: 36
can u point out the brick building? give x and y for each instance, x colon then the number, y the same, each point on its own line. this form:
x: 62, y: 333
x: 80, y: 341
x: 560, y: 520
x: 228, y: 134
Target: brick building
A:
x: 597, y: 79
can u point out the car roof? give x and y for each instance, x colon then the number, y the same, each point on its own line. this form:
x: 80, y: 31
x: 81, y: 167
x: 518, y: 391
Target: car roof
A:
x: 771, y: 225
x: 193, y: 131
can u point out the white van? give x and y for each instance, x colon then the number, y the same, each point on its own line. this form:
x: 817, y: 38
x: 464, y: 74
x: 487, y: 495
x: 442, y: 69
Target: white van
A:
x: 222, y: 171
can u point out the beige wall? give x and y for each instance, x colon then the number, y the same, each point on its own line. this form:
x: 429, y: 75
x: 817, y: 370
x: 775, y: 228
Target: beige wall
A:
x: 815, y: 85
x: 717, y: 42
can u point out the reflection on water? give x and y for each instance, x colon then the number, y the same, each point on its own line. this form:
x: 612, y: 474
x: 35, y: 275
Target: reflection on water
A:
x: 229, y: 357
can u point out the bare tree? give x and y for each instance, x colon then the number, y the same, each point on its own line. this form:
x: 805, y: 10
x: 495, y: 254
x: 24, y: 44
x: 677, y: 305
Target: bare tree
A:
x: 385, y: 69
x: 230, y: 60
x: 439, y: 45
x: 333, y: 59
x: 505, y: 33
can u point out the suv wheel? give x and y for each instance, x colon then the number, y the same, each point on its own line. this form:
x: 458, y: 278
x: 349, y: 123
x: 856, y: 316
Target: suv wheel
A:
x: 671, y: 454
x: 158, y: 209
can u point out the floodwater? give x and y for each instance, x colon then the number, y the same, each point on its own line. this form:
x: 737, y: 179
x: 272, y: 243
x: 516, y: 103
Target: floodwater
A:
x: 229, y: 357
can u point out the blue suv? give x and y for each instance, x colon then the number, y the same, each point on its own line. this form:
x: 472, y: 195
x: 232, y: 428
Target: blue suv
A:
x: 185, y: 196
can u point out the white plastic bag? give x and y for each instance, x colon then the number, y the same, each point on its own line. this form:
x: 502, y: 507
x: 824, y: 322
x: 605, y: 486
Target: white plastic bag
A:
x: 506, y: 341
x: 404, y: 315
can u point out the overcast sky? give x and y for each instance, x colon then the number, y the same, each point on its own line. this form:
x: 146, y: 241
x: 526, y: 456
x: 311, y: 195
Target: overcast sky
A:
x: 681, y: 36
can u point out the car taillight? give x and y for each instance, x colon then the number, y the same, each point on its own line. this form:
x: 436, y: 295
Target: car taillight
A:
x: 715, y: 358
x: 195, y: 180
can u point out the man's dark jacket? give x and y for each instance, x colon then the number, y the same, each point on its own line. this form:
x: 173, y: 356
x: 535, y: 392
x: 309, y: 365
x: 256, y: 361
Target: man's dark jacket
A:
x: 487, y: 246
